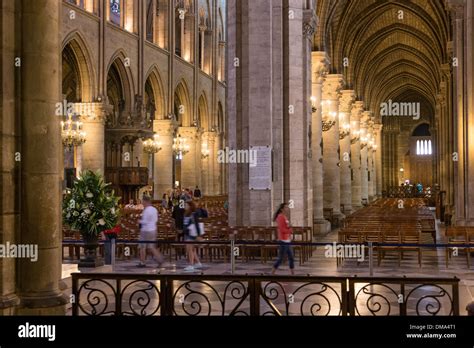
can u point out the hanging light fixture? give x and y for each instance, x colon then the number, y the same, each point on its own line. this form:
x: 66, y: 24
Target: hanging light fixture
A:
x: 72, y: 134
x: 205, y: 152
x: 355, y: 136
x: 180, y: 147
x: 152, y: 146
x: 328, y: 117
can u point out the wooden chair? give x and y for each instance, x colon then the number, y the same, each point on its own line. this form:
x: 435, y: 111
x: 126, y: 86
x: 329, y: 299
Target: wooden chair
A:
x: 411, y: 236
x: 390, y: 236
x: 429, y: 226
x: 457, y: 235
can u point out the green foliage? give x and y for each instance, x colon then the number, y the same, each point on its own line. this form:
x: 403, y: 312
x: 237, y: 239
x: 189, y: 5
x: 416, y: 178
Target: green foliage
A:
x: 91, y: 207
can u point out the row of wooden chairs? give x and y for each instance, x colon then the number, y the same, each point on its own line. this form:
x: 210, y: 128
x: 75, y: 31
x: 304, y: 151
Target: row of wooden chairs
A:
x: 460, y: 235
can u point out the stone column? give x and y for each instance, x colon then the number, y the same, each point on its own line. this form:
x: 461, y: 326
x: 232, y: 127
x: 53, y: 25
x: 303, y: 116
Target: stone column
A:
x: 320, y: 67
x: 163, y: 161
x: 9, y: 183
x: 190, y: 168
x: 218, y: 168
x: 41, y: 149
x: 378, y: 158
x: 370, y: 161
x: 268, y: 103
x: 93, y: 150
x: 363, y: 156
x: 345, y: 106
x: 331, y: 162
x: 356, y: 158
x: 206, y: 172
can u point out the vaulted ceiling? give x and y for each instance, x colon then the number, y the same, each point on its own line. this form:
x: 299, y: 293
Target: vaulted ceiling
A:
x: 394, y: 49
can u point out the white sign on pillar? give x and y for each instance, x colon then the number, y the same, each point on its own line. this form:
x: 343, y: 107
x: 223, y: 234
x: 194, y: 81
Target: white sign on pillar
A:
x: 260, y: 168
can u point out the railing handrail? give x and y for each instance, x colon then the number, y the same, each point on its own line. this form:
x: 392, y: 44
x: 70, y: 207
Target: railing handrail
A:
x: 255, y: 292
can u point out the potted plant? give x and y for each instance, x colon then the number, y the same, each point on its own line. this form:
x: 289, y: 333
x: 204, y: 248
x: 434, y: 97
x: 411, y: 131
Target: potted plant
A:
x: 90, y: 208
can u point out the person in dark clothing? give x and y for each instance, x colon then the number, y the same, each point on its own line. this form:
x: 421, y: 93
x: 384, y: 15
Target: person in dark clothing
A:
x: 197, y: 193
x: 178, y: 216
x: 201, y: 212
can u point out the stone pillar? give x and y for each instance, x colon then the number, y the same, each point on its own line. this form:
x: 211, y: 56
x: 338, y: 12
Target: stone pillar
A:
x: 345, y: 106
x: 363, y: 156
x: 378, y: 158
x: 206, y: 171
x: 93, y: 150
x: 9, y: 183
x: 190, y: 167
x: 273, y: 56
x: 163, y: 161
x: 218, y: 168
x: 41, y: 149
x: 331, y: 161
x: 356, y: 157
x: 370, y: 161
x: 320, y: 67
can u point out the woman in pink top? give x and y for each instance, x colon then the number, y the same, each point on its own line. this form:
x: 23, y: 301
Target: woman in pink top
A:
x: 284, y: 237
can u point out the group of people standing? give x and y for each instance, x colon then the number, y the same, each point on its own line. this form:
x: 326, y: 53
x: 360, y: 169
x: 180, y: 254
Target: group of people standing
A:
x: 187, y: 219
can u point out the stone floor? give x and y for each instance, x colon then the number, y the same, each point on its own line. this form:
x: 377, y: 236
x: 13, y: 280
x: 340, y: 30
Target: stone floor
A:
x: 433, y: 265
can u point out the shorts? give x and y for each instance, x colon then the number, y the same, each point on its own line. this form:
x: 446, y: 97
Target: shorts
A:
x: 188, y: 238
x: 147, y: 236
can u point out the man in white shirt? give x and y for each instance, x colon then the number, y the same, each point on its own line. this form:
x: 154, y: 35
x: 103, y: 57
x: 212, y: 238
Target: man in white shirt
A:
x: 148, y: 233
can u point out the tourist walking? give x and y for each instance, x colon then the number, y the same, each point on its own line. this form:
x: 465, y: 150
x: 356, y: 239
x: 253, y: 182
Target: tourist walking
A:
x: 191, y: 234
x: 148, y: 233
x: 284, y: 238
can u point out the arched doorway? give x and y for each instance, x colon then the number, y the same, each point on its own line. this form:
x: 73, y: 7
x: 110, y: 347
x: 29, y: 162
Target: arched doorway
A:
x: 419, y: 159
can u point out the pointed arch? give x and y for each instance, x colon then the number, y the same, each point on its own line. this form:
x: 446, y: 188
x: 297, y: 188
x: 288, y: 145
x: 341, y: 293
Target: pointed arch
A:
x: 182, y: 104
x: 203, y: 113
x: 117, y: 62
x: 75, y: 49
x: 153, y: 78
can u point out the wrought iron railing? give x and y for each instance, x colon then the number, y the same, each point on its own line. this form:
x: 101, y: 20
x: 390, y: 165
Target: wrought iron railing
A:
x: 253, y: 295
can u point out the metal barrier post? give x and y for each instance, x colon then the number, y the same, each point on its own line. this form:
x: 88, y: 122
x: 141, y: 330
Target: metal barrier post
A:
x: 232, y: 256
x: 371, y: 261
x: 112, y: 252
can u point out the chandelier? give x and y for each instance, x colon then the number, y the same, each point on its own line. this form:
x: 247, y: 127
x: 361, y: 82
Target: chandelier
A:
x: 72, y: 134
x: 355, y: 136
x: 344, y: 131
x: 363, y: 141
x: 329, y: 120
x: 180, y: 146
x: 152, y: 146
x: 205, y: 150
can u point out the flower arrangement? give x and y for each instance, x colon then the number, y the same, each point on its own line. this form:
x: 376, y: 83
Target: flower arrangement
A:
x: 113, y: 233
x: 91, y: 206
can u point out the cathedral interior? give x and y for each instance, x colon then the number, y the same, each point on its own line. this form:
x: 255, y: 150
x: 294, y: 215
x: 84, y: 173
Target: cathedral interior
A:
x: 355, y: 114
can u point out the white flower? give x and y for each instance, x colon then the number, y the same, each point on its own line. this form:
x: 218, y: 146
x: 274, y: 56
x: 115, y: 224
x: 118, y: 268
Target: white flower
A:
x: 112, y: 210
x: 68, y: 215
x: 89, y: 195
x: 75, y: 213
x: 101, y: 222
x: 87, y: 211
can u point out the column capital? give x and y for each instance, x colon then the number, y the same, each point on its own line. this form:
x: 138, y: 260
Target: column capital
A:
x: 92, y: 112
x: 320, y: 66
x: 346, y: 100
x: 190, y: 133
x: 164, y: 127
x: 357, y: 109
x: 332, y: 86
x: 209, y: 137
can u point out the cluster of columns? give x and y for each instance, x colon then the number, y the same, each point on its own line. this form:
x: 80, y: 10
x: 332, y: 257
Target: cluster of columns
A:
x: 346, y: 147
x: 198, y: 168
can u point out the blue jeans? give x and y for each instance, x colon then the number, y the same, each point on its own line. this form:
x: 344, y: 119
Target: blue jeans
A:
x: 285, y: 249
